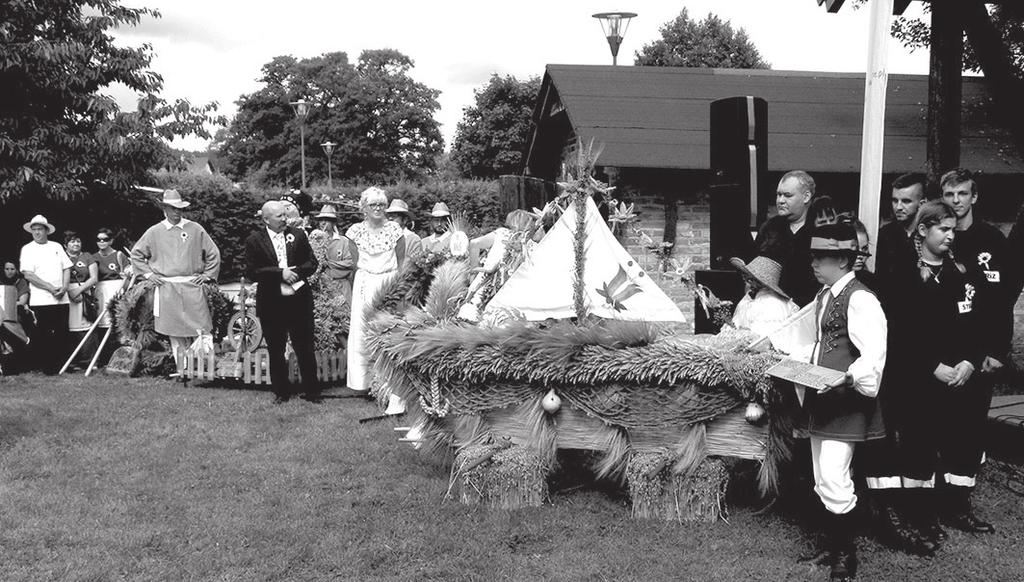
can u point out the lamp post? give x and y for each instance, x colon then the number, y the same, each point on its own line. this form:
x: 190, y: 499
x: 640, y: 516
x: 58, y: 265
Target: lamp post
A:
x: 614, y: 25
x: 301, y: 108
x: 329, y: 149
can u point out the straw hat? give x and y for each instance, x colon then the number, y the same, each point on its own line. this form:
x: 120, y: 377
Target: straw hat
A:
x: 440, y: 210
x: 328, y: 212
x: 763, y: 270
x: 39, y: 219
x: 173, y: 198
x: 398, y: 205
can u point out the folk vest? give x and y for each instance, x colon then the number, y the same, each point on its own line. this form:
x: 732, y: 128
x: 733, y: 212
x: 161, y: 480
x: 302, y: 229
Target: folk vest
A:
x: 841, y: 414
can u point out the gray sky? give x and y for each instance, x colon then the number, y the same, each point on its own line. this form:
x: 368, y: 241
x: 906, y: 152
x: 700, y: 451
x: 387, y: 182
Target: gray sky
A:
x: 212, y: 50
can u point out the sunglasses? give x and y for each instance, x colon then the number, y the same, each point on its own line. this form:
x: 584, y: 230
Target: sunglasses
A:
x: 98, y: 239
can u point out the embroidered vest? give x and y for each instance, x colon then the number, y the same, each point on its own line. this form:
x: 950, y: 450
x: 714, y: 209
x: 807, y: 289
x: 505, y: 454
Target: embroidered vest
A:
x: 846, y: 416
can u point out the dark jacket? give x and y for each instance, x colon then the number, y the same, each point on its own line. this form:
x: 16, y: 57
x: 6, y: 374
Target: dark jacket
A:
x: 983, y: 248
x: 942, y: 320
x: 261, y: 266
x: 792, y: 251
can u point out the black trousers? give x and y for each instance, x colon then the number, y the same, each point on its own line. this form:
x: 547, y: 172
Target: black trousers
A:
x: 945, y: 437
x: 293, y: 319
x: 49, y: 346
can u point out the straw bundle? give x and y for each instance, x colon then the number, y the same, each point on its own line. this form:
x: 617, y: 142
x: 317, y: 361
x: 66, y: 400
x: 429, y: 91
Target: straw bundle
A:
x: 512, y: 477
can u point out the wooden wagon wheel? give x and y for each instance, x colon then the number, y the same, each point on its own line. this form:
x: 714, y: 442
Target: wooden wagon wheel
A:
x: 244, y: 329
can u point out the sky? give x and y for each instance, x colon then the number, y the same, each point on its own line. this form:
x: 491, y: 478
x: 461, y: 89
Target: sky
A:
x: 213, y: 50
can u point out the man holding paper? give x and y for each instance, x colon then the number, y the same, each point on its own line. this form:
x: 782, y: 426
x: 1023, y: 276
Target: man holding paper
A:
x: 850, y: 337
x: 279, y: 258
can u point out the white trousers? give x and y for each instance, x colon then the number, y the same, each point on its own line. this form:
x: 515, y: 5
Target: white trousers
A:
x: 833, y: 481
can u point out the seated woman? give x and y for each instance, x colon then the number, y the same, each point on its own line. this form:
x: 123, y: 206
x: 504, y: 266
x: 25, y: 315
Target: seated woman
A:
x: 15, y: 316
x: 765, y: 306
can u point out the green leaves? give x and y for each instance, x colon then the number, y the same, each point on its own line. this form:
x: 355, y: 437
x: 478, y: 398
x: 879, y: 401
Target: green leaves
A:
x: 711, y: 42
x: 492, y: 138
x: 61, y: 134
x: 381, y: 119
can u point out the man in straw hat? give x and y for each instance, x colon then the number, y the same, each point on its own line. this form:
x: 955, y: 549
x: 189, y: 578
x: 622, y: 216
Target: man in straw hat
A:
x: 398, y: 212
x: 851, y: 332
x: 765, y: 306
x: 47, y: 269
x: 439, y: 237
x: 179, y: 256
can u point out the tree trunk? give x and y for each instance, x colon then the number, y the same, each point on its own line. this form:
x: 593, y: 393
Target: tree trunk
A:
x: 994, y: 57
x: 945, y: 90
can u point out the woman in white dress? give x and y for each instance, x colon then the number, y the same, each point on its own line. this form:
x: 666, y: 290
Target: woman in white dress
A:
x: 378, y: 248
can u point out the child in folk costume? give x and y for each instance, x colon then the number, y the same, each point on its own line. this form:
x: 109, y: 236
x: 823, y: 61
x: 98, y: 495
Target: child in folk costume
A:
x: 850, y: 337
x: 945, y: 401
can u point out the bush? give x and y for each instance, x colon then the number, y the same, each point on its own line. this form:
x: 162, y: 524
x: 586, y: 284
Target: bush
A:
x: 477, y: 198
x: 228, y: 213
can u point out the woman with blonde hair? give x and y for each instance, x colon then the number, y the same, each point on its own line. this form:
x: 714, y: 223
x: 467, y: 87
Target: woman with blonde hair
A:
x: 377, y: 249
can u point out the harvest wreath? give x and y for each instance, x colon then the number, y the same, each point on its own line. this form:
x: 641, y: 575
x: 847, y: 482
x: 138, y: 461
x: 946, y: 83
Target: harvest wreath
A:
x: 655, y: 407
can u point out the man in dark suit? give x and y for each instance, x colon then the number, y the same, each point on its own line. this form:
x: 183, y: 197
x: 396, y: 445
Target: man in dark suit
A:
x: 279, y: 258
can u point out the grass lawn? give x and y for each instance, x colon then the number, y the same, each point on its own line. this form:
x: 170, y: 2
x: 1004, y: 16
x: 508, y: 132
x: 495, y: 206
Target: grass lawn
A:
x: 109, y: 478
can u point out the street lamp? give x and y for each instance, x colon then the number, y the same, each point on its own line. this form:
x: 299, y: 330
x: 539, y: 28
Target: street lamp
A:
x: 614, y: 25
x: 301, y: 108
x: 329, y: 149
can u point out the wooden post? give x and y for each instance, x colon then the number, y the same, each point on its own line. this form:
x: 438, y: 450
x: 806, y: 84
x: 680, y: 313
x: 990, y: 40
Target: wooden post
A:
x: 875, y: 84
x: 945, y: 83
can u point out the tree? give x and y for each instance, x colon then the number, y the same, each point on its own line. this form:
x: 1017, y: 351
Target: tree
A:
x: 59, y: 135
x: 381, y: 119
x: 492, y: 137
x: 711, y: 42
x: 994, y: 45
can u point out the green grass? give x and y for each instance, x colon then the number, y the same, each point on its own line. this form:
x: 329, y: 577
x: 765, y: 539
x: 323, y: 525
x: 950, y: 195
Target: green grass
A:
x: 137, y: 479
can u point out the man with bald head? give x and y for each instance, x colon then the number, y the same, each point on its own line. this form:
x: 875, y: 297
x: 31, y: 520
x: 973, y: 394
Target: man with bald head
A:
x: 278, y: 257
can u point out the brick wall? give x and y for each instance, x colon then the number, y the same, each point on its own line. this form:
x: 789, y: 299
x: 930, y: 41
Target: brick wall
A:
x: 693, y: 228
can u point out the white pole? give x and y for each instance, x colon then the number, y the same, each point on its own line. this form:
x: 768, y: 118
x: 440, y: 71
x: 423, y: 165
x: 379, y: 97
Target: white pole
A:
x: 875, y: 84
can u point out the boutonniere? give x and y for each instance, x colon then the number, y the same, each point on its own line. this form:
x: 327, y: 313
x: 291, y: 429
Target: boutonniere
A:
x: 184, y: 235
x: 289, y: 238
x: 984, y: 258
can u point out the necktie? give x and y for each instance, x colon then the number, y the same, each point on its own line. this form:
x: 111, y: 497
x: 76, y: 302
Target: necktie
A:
x: 280, y: 250
x: 819, y: 306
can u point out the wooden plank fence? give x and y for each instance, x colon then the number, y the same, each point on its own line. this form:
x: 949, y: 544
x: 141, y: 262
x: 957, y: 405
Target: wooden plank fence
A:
x: 254, y: 367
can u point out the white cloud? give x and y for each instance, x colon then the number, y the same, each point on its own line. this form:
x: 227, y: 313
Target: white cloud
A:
x: 212, y: 50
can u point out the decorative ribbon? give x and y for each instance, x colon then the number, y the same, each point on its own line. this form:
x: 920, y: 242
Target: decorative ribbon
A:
x: 831, y: 244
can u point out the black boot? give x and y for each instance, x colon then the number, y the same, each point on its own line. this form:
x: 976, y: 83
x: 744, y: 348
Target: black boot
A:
x: 893, y: 527
x: 928, y: 503
x: 844, y: 550
x: 962, y: 517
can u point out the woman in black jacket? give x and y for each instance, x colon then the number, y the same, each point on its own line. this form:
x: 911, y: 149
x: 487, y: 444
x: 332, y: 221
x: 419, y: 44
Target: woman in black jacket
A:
x: 943, y: 396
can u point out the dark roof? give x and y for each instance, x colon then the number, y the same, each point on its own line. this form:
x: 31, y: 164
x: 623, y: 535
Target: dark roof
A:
x: 658, y: 117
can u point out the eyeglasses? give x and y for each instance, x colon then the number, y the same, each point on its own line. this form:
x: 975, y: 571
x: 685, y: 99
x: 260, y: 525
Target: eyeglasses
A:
x: 377, y: 206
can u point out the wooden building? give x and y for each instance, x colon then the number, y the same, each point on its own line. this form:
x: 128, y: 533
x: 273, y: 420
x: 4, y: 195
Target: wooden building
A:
x: 653, y: 126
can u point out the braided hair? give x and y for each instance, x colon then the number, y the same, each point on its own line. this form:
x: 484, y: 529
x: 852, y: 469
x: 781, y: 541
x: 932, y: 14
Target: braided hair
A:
x: 929, y: 214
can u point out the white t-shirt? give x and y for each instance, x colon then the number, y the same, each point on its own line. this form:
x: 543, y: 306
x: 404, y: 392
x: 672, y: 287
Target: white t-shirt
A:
x: 48, y: 261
